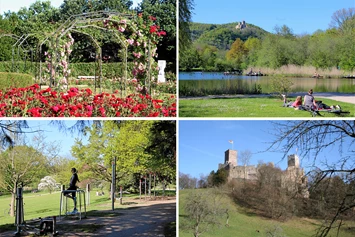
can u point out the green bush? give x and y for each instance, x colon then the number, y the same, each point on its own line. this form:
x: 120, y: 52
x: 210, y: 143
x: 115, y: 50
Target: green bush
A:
x: 20, y: 67
x: 8, y: 80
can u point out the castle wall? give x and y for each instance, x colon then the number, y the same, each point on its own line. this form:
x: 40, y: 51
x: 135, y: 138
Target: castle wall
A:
x: 293, y: 178
x: 231, y: 157
x: 243, y: 172
x: 293, y: 160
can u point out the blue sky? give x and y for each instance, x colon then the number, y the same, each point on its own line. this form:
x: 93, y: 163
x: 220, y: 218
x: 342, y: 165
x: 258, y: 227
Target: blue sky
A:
x: 15, y: 5
x: 52, y: 134
x: 303, y: 16
x: 202, y: 144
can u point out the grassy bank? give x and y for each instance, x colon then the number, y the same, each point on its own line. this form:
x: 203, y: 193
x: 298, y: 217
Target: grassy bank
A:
x: 245, y: 223
x: 249, y: 107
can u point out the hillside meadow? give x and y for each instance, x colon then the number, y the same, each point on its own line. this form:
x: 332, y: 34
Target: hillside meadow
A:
x: 246, y: 223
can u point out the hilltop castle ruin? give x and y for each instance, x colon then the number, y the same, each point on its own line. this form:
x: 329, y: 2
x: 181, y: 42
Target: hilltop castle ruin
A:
x: 292, y: 179
x: 241, y: 25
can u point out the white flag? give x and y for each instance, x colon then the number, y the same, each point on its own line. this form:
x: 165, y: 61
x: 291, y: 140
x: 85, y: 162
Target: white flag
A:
x: 230, y: 141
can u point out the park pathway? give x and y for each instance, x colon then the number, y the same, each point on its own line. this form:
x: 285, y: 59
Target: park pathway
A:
x: 348, y: 98
x: 148, y: 219
x: 145, y: 219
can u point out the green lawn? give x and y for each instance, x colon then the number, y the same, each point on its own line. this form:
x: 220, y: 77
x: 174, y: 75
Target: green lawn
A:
x: 43, y: 204
x: 249, y: 107
x: 244, y: 223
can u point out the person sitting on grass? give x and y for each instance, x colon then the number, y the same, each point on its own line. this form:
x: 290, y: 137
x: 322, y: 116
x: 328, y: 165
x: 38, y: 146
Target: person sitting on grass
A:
x: 295, y: 104
x: 312, y: 104
x: 309, y: 101
x: 72, y: 187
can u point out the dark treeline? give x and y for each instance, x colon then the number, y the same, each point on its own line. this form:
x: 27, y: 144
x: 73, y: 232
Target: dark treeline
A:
x: 331, y: 48
x: 41, y: 20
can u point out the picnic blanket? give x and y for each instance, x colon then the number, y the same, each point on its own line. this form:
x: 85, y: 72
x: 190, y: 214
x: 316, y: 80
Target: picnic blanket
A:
x: 321, y: 112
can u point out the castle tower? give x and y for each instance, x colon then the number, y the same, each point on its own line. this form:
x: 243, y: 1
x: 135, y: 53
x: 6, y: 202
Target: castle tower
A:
x: 230, y: 157
x: 293, y: 161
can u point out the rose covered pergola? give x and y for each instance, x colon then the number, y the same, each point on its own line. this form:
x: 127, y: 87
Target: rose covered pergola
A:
x: 137, y: 37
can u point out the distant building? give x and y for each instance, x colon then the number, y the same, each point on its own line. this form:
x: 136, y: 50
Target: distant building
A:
x: 292, y: 179
x: 241, y: 25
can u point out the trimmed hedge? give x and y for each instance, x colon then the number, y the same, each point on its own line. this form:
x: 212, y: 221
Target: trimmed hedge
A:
x: 109, y: 70
x: 8, y: 80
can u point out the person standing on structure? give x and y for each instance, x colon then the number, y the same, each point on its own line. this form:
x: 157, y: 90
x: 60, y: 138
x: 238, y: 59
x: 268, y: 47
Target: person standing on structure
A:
x: 72, y: 187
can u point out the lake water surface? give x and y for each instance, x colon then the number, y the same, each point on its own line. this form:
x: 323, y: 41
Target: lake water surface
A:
x: 212, y: 82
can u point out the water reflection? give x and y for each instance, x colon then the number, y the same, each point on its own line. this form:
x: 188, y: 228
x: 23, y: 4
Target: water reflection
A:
x: 207, y: 80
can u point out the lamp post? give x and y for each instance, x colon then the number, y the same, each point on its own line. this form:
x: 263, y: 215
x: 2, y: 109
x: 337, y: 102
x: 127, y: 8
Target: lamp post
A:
x: 113, y: 184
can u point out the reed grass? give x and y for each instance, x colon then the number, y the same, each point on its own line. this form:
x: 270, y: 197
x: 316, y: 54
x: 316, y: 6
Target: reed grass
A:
x: 301, y: 71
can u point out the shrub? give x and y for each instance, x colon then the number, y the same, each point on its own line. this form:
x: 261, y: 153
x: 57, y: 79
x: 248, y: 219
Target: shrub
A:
x: 281, y: 85
x: 8, y: 80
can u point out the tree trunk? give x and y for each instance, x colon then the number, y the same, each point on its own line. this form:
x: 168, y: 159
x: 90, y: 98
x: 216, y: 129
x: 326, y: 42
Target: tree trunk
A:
x: 12, y: 205
x: 196, y: 234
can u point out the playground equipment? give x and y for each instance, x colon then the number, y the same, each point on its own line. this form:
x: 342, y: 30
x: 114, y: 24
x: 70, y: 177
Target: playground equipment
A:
x: 47, y: 226
x: 80, y: 196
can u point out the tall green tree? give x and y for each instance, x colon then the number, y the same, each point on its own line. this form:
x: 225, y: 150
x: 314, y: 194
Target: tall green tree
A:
x: 165, y: 13
x: 139, y: 147
x: 237, y: 53
x: 252, y: 46
x: 162, y: 148
x: 25, y: 163
x: 185, y: 13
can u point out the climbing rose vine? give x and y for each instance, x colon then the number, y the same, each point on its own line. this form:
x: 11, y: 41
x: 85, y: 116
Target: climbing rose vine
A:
x: 57, y: 60
x: 142, y: 37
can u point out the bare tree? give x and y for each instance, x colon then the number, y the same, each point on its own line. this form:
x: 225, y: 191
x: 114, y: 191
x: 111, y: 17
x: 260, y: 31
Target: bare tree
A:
x: 202, y: 210
x: 316, y: 136
x: 244, y: 158
x: 23, y: 162
x: 341, y: 18
x: 186, y: 181
x: 202, y: 182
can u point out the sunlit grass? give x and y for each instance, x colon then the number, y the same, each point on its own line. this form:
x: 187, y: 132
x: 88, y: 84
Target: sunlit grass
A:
x: 245, y: 223
x: 250, y: 107
x: 43, y: 204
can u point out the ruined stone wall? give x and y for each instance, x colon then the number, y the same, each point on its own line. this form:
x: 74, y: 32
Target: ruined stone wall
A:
x: 243, y: 172
x: 293, y: 178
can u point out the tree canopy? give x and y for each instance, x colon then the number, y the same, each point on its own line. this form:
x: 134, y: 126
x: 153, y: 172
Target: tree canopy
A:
x: 41, y: 19
x: 323, y: 49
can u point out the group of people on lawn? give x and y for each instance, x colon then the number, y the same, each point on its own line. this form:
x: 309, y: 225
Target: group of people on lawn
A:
x: 309, y: 103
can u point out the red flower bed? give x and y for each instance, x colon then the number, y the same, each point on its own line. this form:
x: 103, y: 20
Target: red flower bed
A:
x: 33, y: 102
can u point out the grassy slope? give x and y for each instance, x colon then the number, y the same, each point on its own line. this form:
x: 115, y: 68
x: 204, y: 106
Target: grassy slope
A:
x: 243, y: 223
x: 249, y: 107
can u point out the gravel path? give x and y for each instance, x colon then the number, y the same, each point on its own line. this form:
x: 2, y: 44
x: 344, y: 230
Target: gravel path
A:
x: 349, y: 98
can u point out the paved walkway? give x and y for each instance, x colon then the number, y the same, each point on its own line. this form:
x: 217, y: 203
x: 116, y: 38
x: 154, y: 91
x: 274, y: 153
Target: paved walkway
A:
x: 147, y: 219
x: 349, y: 98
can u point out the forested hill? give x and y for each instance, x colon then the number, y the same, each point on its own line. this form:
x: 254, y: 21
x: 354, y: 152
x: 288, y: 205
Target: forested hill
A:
x: 223, y: 35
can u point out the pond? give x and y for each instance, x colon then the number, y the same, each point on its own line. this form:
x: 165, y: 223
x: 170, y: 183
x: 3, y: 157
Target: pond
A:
x: 214, y: 83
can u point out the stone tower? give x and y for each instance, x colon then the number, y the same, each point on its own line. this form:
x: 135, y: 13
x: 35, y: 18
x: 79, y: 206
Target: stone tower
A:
x: 293, y: 161
x: 230, y: 157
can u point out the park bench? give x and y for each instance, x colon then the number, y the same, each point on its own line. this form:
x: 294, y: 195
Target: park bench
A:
x: 87, y: 77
